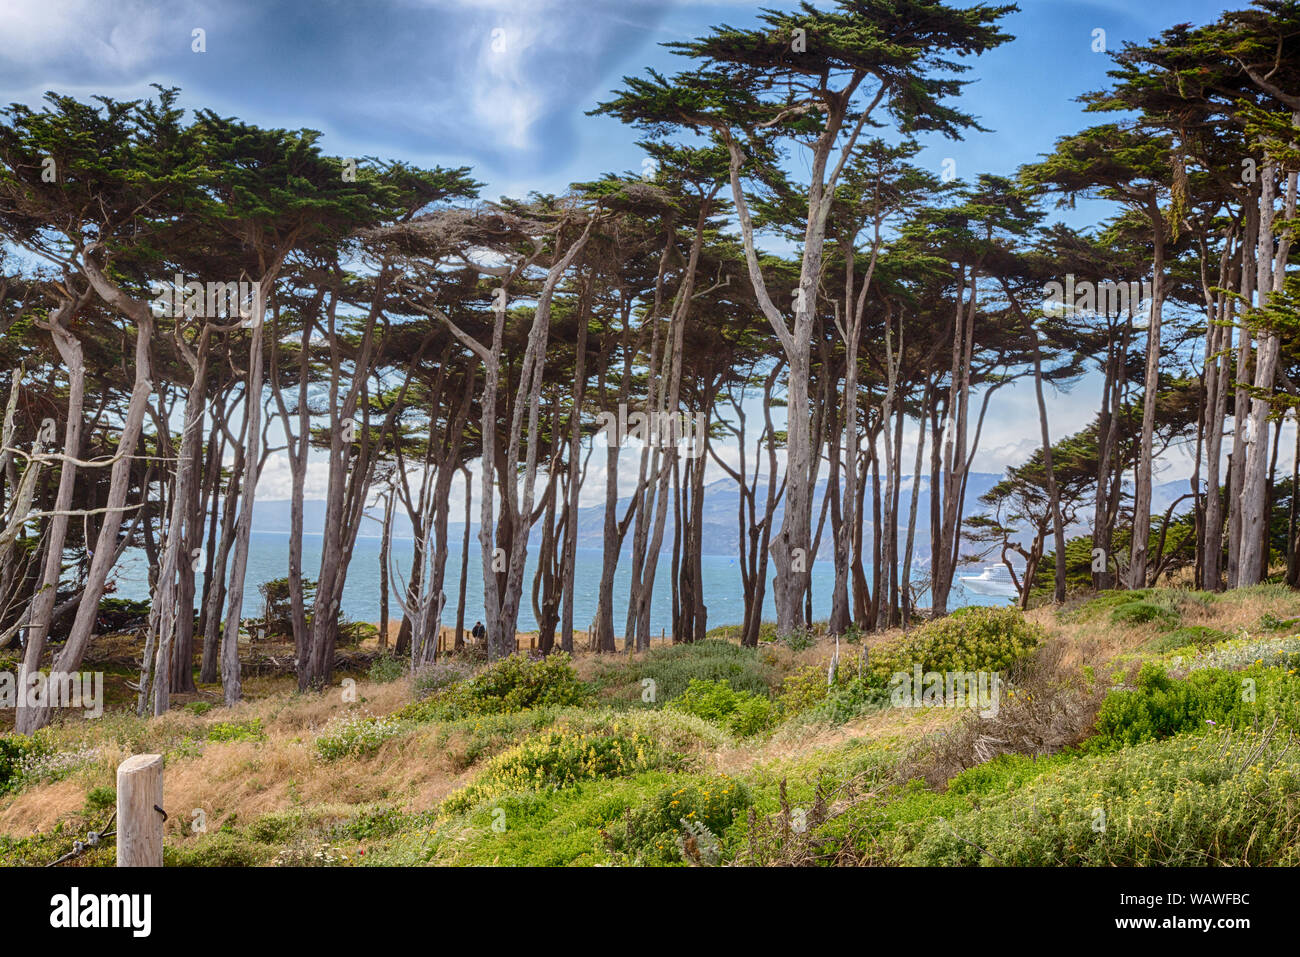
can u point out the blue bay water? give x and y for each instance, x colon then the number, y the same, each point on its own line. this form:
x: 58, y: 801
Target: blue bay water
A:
x: 268, y: 559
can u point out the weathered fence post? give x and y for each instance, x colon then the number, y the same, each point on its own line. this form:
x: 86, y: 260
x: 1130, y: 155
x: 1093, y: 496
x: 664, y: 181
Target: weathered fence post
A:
x: 139, y: 818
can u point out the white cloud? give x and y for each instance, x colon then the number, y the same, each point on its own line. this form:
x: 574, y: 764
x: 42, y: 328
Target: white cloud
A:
x: 276, y: 482
x: 118, y: 39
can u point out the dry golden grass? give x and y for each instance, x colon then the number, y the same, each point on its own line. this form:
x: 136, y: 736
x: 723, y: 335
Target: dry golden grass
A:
x: 1100, y: 641
x: 802, y: 742
x: 250, y: 778
x: 1246, y: 608
x: 1089, y: 643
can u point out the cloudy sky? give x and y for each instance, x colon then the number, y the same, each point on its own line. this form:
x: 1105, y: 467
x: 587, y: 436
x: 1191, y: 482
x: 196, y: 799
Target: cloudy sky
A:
x: 503, y: 86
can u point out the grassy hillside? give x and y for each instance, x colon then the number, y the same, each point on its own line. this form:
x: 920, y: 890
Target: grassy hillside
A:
x: 1133, y: 728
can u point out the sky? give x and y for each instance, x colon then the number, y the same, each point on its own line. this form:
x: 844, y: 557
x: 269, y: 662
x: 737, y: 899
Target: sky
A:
x: 503, y: 86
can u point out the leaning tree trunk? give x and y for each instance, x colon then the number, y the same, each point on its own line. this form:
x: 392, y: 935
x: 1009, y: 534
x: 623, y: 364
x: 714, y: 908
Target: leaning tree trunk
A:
x: 42, y: 606
x: 69, y: 659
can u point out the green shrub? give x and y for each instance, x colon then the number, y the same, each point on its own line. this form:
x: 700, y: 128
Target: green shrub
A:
x: 355, y: 734
x: 1141, y: 613
x: 119, y: 614
x: 560, y: 758
x: 516, y: 683
x: 802, y: 689
x: 15, y: 750
x: 1103, y: 603
x: 218, y: 849
x: 753, y: 715
x: 25, y: 761
x: 797, y: 640
x: 352, y: 633
x: 1007, y: 772
x: 1188, y: 801
x: 1160, y: 707
x: 672, y: 668
x: 1271, y: 622
x: 1244, y: 652
x: 381, y: 822
x: 766, y: 632
x: 237, y: 731
x: 386, y: 668
x: 1197, y: 636
x: 100, y: 799
x: 199, y: 707
x: 979, y: 639
x: 441, y: 674
x: 653, y: 832
x: 743, y: 713
x: 278, y: 827
x: 467, y: 741
x: 848, y: 700
x: 43, y: 849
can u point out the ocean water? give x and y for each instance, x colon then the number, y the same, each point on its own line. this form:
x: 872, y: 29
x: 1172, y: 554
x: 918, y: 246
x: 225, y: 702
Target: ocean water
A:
x: 268, y: 559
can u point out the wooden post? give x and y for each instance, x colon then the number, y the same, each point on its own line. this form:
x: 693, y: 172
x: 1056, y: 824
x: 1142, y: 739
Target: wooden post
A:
x: 139, y: 823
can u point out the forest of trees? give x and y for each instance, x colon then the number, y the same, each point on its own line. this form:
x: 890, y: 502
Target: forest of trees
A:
x: 184, y: 295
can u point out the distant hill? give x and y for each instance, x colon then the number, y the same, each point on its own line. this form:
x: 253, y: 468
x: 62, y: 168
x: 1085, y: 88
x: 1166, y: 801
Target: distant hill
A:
x: 720, y: 514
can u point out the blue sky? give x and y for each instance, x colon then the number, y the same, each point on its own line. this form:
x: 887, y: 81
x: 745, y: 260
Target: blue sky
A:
x: 503, y: 86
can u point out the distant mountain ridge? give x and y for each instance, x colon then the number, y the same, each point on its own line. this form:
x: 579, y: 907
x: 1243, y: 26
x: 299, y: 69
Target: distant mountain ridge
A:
x: 720, y: 533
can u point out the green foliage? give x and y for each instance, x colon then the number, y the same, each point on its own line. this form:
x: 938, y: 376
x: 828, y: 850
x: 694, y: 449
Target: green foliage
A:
x: 653, y: 833
x: 800, y: 639
x: 355, y: 735
x: 979, y: 639
x: 1194, y: 636
x: 731, y: 633
x: 1271, y: 622
x: 561, y: 757
x: 848, y: 700
x: 386, y: 668
x: 1139, y: 606
x: 802, y: 689
x: 100, y: 799
x: 1078, y: 566
x: 1190, y: 800
x: 237, y: 731
x: 1160, y: 707
x: 217, y: 849
x: 672, y: 668
x: 516, y: 683
x: 117, y: 614
x: 1243, y: 652
x: 468, y: 740
x: 441, y: 674
x: 1142, y: 612
x: 278, y: 827
x: 1006, y: 772
x: 15, y: 751
x: 743, y: 713
x: 277, y: 609
x: 352, y: 633
x: 1103, y: 603
x: 381, y: 822
x: 42, y: 849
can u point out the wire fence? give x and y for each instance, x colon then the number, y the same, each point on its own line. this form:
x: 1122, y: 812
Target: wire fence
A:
x: 93, y: 840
